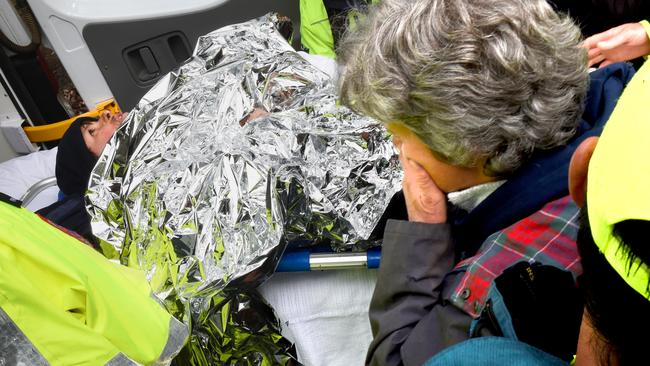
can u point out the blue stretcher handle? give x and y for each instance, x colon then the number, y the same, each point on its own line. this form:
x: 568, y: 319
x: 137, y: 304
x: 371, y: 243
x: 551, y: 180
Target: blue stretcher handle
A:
x: 304, y: 260
x: 294, y: 261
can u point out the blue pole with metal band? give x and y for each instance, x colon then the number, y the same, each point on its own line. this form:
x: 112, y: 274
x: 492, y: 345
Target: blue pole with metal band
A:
x: 304, y: 260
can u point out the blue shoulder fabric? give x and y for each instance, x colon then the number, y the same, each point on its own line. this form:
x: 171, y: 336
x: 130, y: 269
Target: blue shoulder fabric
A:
x: 71, y: 214
x: 545, y: 177
x: 496, y: 351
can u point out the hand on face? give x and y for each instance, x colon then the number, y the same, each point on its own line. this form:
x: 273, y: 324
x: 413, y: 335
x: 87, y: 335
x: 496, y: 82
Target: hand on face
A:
x: 97, y: 134
x: 425, y: 202
x: 622, y: 43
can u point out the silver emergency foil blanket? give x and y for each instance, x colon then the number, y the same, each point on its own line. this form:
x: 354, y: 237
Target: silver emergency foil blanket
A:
x: 198, y: 192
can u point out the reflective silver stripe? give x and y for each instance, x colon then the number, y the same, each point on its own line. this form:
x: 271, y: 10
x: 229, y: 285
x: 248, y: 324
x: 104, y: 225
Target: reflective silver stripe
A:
x: 121, y: 360
x: 178, y: 333
x: 15, y: 348
x: 323, y: 261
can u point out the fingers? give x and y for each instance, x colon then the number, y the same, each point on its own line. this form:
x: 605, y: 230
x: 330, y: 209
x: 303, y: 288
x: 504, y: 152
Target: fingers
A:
x: 621, y: 43
x: 590, y: 43
x: 606, y: 63
x: 594, y: 56
x: 600, y: 44
x: 594, y: 52
x: 596, y: 59
x: 411, y: 176
x: 614, y: 42
x: 415, y: 174
x: 425, y: 202
x: 414, y: 171
x: 593, y: 41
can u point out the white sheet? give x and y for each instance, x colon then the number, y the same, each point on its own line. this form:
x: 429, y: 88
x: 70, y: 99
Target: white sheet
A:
x: 18, y: 174
x: 324, y: 313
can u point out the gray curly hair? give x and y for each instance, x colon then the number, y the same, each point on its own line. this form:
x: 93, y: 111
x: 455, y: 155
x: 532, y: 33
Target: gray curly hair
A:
x: 475, y: 80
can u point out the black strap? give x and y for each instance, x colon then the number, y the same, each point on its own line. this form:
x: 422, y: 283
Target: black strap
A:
x: 10, y: 200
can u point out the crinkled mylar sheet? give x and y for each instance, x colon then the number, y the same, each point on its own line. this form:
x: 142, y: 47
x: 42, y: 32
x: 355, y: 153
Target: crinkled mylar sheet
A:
x: 197, y: 196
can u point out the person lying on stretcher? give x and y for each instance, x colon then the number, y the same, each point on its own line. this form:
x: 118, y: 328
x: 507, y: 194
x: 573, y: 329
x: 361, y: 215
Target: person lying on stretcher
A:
x: 78, y: 152
x: 79, y: 149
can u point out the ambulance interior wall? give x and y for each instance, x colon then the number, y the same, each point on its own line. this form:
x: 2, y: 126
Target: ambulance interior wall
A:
x: 133, y: 54
x: 6, y: 152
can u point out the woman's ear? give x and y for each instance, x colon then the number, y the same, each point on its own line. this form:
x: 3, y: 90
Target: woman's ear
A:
x: 578, y: 169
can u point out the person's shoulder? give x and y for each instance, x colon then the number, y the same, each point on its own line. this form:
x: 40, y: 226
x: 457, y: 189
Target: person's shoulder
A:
x: 494, y: 351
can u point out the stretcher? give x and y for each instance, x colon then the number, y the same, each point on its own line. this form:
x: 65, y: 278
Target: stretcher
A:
x: 325, y: 313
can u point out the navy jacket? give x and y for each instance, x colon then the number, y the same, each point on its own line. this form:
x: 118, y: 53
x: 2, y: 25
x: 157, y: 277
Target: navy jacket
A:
x: 545, y: 178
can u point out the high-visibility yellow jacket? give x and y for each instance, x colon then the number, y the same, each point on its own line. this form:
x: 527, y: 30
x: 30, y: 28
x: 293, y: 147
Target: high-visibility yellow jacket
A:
x: 315, y: 30
x: 62, y: 303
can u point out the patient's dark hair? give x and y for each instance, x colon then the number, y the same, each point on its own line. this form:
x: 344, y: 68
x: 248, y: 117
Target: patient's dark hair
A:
x: 614, y: 308
x: 74, y: 162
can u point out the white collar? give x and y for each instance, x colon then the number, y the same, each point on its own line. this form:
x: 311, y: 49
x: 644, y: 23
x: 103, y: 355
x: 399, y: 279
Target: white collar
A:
x: 469, y: 198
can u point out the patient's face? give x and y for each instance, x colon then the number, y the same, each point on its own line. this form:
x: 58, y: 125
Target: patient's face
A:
x: 448, y: 178
x: 97, y: 134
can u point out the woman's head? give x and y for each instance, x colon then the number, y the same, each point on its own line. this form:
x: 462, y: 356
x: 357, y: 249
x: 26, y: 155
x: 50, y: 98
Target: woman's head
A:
x: 480, y: 85
x: 80, y: 147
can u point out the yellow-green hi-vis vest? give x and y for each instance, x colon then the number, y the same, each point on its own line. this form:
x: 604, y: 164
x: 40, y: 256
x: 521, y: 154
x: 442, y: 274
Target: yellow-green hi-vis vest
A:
x: 62, y: 303
x: 315, y: 30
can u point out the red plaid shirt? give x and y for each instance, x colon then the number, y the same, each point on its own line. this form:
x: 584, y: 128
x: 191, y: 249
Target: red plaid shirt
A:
x: 548, y: 236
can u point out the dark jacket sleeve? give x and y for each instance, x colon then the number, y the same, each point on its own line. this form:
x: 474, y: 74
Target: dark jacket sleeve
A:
x: 415, y: 259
